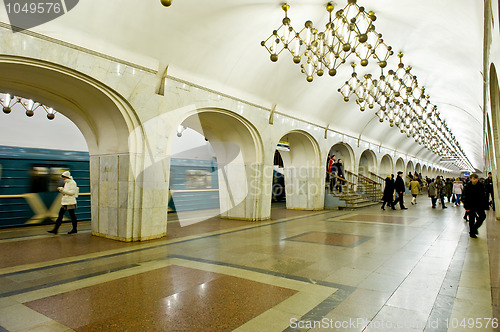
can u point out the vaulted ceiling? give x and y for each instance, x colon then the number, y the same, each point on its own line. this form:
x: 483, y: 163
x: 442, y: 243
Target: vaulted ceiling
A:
x: 219, y: 42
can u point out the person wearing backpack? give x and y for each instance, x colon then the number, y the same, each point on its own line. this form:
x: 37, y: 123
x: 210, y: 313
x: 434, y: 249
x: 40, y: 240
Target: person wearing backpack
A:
x: 68, y: 202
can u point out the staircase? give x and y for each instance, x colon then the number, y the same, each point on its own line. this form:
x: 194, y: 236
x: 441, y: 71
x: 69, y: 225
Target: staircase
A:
x: 366, y: 192
x: 347, y: 200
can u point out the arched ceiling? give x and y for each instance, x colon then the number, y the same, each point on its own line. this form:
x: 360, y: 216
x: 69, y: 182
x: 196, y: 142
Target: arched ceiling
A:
x: 219, y: 42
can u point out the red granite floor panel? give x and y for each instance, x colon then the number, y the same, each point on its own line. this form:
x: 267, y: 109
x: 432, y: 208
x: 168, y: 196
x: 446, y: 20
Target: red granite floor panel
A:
x: 381, y: 219
x: 63, y: 246
x: 168, y: 299
x: 54, y: 247
x: 343, y: 240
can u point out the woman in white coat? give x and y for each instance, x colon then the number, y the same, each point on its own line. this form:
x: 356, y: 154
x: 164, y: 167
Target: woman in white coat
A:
x: 458, y: 187
x: 68, y: 202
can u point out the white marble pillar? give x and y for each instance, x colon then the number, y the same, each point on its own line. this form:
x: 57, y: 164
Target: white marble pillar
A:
x: 127, y: 204
x: 304, y: 188
x: 245, y: 191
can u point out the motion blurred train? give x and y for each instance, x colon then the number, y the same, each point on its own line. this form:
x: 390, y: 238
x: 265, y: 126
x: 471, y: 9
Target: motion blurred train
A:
x: 28, y: 184
x: 29, y: 178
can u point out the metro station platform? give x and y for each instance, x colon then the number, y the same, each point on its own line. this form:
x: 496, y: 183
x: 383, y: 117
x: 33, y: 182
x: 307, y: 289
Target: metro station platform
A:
x: 362, y: 270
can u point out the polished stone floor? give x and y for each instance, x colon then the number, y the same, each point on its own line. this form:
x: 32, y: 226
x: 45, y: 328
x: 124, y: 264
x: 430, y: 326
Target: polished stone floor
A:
x: 363, y: 270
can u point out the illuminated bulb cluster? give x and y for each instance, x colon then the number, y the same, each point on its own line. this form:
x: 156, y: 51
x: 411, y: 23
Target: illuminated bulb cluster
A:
x: 7, y: 102
x: 397, y: 96
x: 402, y: 103
x: 351, y: 31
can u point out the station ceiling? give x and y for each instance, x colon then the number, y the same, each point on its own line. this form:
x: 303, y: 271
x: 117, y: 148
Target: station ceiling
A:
x: 217, y: 43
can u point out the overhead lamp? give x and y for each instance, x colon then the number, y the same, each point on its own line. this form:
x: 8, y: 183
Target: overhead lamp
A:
x: 30, y: 106
x: 399, y: 98
x: 351, y: 31
x: 180, y: 130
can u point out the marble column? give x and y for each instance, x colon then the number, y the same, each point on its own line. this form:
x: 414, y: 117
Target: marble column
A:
x: 304, y: 188
x: 127, y: 204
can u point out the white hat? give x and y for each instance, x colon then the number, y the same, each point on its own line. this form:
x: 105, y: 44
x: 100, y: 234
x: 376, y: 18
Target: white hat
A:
x: 66, y: 174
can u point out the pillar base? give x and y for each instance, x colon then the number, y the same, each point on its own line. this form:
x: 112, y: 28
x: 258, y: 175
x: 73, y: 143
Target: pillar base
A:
x: 122, y: 239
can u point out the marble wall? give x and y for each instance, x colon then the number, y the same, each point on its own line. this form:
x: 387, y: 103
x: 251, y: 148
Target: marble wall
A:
x: 130, y: 178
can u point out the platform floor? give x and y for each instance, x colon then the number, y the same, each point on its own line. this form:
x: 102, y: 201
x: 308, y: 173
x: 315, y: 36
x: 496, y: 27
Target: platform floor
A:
x: 363, y: 270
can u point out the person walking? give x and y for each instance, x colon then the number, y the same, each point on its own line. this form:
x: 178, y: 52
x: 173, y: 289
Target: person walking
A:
x: 340, y: 173
x: 458, y: 187
x: 440, y: 190
x: 488, y: 183
x: 331, y: 172
x: 475, y: 204
x: 415, y: 188
x: 432, y: 192
x: 448, y: 188
x: 399, y: 186
x: 68, y: 202
x: 388, y: 191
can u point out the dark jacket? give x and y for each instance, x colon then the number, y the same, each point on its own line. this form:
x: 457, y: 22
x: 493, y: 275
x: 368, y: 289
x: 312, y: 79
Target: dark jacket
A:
x: 448, y: 187
x: 474, y: 197
x: 388, y: 190
x: 400, y: 185
x: 339, y: 167
x: 488, y: 184
x: 432, y: 189
x: 440, y: 192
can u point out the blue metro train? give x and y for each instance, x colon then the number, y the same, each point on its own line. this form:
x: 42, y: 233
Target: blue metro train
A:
x: 29, y: 178
x: 28, y: 184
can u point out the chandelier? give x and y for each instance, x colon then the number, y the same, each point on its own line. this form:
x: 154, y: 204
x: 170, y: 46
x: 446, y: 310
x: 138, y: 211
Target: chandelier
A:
x: 397, y: 97
x: 350, y: 32
x: 402, y: 103
x: 7, y: 102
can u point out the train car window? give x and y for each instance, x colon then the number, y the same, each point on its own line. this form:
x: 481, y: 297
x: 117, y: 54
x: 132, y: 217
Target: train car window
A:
x: 0, y: 171
x: 55, y: 178
x: 39, y: 179
x: 198, y: 179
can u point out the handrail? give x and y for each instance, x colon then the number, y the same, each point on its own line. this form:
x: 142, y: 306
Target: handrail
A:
x: 376, y: 175
x: 351, y: 173
x: 367, y: 179
x: 342, y: 179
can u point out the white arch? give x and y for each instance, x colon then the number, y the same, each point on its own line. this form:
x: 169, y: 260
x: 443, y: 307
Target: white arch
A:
x: 386, y: 166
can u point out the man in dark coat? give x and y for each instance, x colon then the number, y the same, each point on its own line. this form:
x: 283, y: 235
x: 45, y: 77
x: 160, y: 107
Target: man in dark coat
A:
x: 488, y: 183
x: 475, y: 202
x: 340, y: 173
x: 388, y: 191
x: 399, y: 186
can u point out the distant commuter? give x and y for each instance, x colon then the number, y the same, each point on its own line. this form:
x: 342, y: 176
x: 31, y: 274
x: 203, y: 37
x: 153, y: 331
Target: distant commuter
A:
x: 68, y: 202
x: 440, y: 190
x: 448, y: 188
x: 331, y: 172
x: 488, y: 183
x: 388, y: 191
x: 432, y: 192
x: 458, y: 187
x: 475, y: 202
x: 414, y: 187
x: 400, y: 190
x: 340, y: 173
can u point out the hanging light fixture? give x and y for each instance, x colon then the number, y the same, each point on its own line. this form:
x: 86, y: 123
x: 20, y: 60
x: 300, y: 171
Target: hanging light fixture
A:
x: 7, y: 102
x: 399, y: 99
x: 350, y: 32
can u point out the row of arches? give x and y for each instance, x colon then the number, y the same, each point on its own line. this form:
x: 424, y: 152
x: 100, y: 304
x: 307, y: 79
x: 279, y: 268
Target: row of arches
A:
x: 130, y: 140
